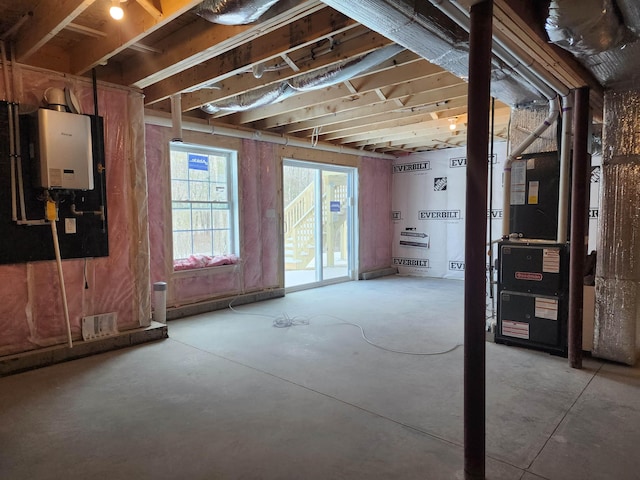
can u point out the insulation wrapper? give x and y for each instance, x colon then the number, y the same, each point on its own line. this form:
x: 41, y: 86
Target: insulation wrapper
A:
x: 305, y: 82
x: 254, y: 99
x: 526, y: 120
x: 630, y: 10
x: 618, y: 269
x: 259, y: 258
x: 605, y: 43
x: 616, y: 318
x: 584, y: 28
x: 32, y: 315
x: 234, y: 12
x: 333, y: 75
x: 422, y: 28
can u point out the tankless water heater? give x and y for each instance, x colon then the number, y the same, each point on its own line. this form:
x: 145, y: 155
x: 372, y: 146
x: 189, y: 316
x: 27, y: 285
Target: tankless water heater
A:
x: 64, y: 150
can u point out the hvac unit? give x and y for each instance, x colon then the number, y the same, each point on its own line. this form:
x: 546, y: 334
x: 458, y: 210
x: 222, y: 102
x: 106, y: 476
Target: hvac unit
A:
x: 533, y: 295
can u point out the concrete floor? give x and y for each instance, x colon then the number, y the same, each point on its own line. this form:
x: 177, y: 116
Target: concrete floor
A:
x: 228, y: 396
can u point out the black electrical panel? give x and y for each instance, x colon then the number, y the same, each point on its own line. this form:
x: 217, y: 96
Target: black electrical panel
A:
x: 534, y: 202
x: 533, y: 295
x: 82, y: 231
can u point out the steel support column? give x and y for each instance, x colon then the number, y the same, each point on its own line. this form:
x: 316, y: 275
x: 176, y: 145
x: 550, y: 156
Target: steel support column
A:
x: 579, y: 215
x: 480, y: 39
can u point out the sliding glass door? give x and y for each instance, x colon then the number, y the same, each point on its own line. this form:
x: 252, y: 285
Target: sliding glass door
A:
x: 319, y: 235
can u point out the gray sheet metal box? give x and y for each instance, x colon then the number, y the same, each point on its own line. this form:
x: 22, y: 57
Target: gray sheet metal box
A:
x: 64, y: 150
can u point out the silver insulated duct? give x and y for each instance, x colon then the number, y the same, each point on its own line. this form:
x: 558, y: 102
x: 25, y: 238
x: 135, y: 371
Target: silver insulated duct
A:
x: 617, y: 320
x: 344, y: 71
x: 247, y: 101
x: 234, y: 12
x: 602, y: 34
x: 305, y: 82
x: 424, y: 29
x: 585, y: 28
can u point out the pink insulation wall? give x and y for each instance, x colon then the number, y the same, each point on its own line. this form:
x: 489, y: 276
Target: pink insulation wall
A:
x: 31, y: 311
x: 258, y: 176
x: 376, y: 233
x: 259, y: 169
x: 137, y: 173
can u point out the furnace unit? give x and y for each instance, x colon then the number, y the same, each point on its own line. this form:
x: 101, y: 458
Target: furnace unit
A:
x: 533, y: 295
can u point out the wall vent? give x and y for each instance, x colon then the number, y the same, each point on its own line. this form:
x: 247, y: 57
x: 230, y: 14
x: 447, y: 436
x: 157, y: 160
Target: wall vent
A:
x: 95, y: 327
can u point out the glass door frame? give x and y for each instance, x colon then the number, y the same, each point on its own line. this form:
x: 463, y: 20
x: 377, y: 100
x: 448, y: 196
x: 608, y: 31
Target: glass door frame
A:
x: 351, y: 222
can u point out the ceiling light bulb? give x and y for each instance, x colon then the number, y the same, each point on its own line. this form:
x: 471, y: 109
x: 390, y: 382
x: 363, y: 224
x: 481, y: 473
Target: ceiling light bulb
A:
x: 452, y: 125
x: 116, y: 11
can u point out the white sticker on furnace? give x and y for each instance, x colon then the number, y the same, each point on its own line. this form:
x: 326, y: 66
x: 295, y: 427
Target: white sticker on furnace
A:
x: 518, y: 182
x: 546, y: 308
x: 551, y: 260
x: 515, y: 329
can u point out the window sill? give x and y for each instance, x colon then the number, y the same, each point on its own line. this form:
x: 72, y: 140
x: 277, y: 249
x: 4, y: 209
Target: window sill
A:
x: 205, y: 271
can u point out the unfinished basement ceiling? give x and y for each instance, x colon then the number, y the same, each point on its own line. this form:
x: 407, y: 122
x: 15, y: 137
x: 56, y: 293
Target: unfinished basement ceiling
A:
x: 399, y: 104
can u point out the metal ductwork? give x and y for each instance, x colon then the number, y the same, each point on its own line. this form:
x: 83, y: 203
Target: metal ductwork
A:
x: 333, y: 75
x: 602, y: 34
x: 422, y: 28
x: 305, y: 82
x: 234, y: 12
x: 247, y: 101
x: 585, y: 28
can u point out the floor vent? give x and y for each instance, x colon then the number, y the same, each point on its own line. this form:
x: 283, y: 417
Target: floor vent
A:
x: 99, y: 326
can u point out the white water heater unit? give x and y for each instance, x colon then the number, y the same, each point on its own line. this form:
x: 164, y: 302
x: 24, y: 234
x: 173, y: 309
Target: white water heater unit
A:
x: 64, y: 150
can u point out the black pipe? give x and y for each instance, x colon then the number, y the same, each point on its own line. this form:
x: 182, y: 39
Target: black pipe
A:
x: 480, y: 38
x: 94, y: 83
x: 100, y: 148
x: 579, y: 218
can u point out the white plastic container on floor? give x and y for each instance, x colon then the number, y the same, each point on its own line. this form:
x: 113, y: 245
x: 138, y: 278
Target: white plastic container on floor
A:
x: 160, y: 302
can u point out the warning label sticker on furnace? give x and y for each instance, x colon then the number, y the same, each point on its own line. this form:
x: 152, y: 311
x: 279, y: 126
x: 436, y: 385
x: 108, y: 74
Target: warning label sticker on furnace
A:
x: 546, y: 308
x: 551, y: 260
x: 533, y: 193
x: 536, y: 277
x: 518, y: 182
x: 515, y: 329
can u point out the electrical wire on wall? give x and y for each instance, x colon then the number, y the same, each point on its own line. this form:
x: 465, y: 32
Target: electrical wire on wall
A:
x: 286, y: 321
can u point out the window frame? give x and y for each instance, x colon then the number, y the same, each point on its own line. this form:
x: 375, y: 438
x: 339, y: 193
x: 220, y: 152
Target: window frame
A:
x: 232, y: 185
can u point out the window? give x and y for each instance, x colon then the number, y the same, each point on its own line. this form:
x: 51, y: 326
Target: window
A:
x: 203, y: 202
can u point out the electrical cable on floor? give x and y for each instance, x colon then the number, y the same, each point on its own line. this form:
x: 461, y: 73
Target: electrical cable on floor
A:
x: 286, y: 321
x: 386, y: 349
x: 279, y: 321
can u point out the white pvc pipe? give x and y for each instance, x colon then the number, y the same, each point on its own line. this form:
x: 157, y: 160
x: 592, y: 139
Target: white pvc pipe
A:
x: 161, y: 119
x: 548, y: 85
x: 160, y: 302
x: 532, y: 66
x: 65, y: 306
x: 565, y: 157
